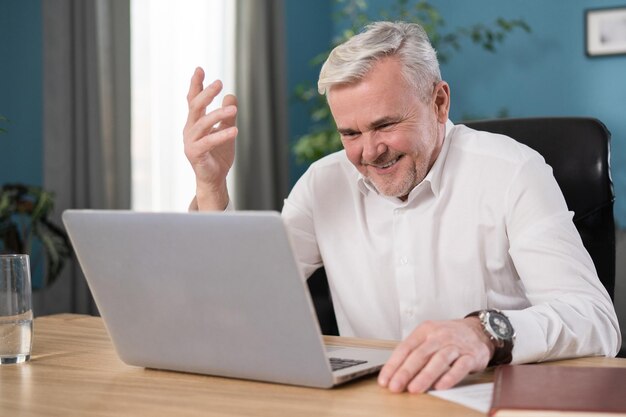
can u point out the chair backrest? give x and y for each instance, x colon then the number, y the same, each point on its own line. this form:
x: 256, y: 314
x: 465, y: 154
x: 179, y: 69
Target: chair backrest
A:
x: 578, y: 150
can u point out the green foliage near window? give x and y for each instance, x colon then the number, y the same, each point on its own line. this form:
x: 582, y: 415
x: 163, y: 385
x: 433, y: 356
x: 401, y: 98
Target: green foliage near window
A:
x: 322, y: 137
x: 24, y: 212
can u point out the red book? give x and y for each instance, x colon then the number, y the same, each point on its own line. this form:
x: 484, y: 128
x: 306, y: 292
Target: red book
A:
x: 552, y: 390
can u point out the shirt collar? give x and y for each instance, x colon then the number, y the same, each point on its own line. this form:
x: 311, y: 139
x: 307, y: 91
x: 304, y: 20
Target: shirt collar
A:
x: 433, y: 177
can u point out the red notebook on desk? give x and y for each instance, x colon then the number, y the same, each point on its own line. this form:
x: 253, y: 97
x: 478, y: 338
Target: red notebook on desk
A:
x: 551, y: 390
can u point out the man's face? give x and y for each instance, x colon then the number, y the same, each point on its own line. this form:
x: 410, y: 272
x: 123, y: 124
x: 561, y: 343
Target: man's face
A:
x: 390, y: 135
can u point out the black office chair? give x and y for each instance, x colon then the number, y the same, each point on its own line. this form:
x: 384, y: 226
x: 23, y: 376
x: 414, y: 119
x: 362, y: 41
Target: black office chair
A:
x: 320, y: 294
x: 577, y: 149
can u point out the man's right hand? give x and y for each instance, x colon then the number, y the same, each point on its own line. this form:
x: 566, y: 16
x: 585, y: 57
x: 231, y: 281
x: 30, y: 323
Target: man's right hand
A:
x: 210, y: 141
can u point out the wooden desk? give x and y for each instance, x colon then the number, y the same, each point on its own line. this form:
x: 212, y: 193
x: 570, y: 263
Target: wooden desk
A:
x: 74, y: 372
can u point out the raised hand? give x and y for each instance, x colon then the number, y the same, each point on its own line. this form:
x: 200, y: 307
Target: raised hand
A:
x: 210, y: 141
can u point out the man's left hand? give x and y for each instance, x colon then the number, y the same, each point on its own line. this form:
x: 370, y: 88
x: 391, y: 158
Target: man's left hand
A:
x: 437, y: 354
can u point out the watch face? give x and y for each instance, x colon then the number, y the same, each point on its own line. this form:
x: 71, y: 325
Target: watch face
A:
x: 500, y: 325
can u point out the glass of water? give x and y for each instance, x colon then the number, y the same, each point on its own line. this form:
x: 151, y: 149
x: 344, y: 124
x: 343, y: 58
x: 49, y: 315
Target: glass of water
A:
x: 16, y: 314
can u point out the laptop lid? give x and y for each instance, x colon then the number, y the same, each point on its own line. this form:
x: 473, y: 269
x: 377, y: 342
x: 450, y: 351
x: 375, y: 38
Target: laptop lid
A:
x: 212, y: 293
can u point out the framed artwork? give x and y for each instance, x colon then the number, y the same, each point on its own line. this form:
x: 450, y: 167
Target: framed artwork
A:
x: 606, y: 31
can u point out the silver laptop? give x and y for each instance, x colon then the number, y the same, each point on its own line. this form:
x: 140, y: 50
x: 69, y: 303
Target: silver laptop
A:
x: 210, y: 293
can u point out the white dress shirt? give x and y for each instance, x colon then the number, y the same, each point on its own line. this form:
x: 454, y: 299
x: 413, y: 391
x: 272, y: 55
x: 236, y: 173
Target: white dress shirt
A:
x: 487, y: 228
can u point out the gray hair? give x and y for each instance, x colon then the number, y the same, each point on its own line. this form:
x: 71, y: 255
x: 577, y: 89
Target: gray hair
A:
x: 353, y: 59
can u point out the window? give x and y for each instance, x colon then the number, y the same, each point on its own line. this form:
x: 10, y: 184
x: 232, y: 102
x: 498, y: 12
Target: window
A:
x: 169, y: 40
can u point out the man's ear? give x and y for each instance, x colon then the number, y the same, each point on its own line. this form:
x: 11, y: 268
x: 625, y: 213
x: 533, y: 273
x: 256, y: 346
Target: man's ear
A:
x: 441, y: 101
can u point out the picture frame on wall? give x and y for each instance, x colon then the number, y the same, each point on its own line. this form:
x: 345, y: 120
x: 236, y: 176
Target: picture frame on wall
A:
x: 605, y: 31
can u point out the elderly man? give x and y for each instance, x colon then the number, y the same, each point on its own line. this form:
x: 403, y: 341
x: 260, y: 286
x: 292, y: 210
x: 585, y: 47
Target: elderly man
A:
x: 455, y: 241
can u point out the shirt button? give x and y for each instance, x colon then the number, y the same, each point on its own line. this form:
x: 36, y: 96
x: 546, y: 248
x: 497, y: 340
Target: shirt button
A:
x: 409, y: 312
x: 404, y: 260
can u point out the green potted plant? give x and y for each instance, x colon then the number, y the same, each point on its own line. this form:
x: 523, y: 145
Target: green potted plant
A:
x: 322, y: 137
x: 3, y: 119
x: 25, y: 227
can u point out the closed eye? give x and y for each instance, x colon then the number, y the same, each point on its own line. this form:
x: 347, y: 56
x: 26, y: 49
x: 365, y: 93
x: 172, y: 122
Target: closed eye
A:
x: 348, y: 134
x: 387, y: 125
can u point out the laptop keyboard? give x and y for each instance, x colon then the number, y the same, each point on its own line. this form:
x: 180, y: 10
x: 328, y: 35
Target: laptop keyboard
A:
x: 338, y: 363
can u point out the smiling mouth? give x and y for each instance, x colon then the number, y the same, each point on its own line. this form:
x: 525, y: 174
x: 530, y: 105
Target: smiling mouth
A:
x: 386, y: 165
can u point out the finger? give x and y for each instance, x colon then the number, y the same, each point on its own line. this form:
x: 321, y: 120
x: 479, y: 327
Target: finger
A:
x: 229, y: 100
x: 195, y: 86
x: 397, y: 358
x: 216, y: 139
x: 405, y: 373
x: 207, y: 148
x: 413, y: 364
x: 460, y: 369
x: 438, y: 365
x: 401, y: 352
x: 205, y: 124
x: 199, y: 103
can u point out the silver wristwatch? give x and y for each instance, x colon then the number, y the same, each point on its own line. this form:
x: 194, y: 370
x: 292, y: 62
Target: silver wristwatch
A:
x: 500, y: 331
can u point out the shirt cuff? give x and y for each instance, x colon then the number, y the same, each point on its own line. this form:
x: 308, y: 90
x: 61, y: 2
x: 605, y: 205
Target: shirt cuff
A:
x: 530, y: 339
x: 193, y: 206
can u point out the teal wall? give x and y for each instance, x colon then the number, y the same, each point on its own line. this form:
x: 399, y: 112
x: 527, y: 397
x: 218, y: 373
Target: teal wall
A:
x: 309, y: 31
x: 21, y: 153
x: 21, y: 91
x: 544, y: 73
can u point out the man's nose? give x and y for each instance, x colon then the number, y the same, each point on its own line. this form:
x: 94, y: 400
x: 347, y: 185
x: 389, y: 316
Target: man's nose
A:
x: 372, y: 147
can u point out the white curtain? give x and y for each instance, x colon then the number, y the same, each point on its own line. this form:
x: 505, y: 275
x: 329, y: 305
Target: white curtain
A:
x: 242, y: 43
x: 170, y: 38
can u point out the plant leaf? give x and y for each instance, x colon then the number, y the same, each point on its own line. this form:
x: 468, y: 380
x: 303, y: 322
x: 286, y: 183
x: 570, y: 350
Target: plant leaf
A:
x: 24, y: 212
